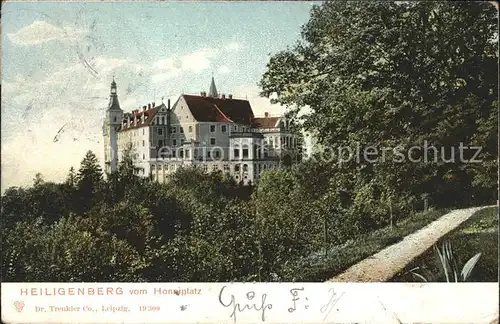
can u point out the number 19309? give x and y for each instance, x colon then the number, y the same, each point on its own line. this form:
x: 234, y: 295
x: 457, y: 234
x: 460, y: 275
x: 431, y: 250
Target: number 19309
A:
x: 144, y: 308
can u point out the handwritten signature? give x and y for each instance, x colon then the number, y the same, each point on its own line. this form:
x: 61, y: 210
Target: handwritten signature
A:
x: 334, y: 298
x: 237, y: 307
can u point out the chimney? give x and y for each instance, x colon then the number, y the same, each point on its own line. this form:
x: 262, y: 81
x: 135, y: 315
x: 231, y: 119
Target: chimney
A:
x: 223, y: 96
x: 153, y: 104
x: 230, y: 96
x: 168, y: 104
x: 203, y: 93
x: 149, y: 106
x: 266, y: 114
x: 144, y: 107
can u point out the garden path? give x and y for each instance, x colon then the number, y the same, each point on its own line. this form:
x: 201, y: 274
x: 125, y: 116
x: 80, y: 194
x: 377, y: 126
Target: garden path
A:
x: 385, y: 264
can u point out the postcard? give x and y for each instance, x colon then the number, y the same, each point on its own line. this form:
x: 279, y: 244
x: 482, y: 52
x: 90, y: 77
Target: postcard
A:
x: 249, y: 162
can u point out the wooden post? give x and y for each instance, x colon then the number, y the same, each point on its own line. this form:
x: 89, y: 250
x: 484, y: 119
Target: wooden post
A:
x: 325, y: 233
x: 390, y: 210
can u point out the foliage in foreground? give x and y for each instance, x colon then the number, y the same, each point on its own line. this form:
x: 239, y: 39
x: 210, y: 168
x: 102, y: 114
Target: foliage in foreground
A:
x: 478, y: 235
x: 372, y: 73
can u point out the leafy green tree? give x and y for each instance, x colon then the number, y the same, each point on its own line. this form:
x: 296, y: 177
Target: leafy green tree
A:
x: 38, y: 180
x: 71, y: 179
x: 288, y: 225
x: 89, y: 182
x: 127, y: 221
x: 71, y: 250
x: 388, y: 74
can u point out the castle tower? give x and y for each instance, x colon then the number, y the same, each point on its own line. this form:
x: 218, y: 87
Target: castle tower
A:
x: 112, y: 124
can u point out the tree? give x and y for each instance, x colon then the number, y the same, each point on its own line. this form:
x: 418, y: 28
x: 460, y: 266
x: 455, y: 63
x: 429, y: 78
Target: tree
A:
x: 388, y: 74
x: 89, y: 182
x: 71, y: 179
x: 38, y: 179
x: 73, y: 249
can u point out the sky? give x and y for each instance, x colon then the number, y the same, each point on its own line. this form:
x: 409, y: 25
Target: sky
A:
x: 58, y: 60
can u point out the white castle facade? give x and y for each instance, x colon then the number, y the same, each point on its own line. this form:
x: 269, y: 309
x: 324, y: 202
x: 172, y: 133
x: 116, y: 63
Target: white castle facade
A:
x: 207, y: 131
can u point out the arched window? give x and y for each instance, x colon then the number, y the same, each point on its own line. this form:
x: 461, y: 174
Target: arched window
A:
x: 245, y: 167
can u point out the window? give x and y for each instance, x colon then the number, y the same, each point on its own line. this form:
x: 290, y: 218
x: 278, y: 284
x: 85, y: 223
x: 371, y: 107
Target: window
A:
x: 160, y: 167
x: 215, y: 167
x: 163, y: 120
x: 217, y: 154
x: 212, y: 141
x: 209, y: 154
x: 160, y: 131
x: 181, y: 129
x: 173, y: 129
x: 245, y: 167
x: 143, y: 143
x: 245, y: 153
x: 174, y: 153
x: 143, y: 156
x: 236, y: 153
x: 226, y: 168
x: 160, y: 143
x: 153, y: 167
x: 174, y: 142
x: 181, y: 154
x: 223, y: 128
x: 237, y: 168
x: 190, y: 129
x: 212, y: 128
x: 143, y: 131
x: 235, y: 128
x: 114, y: 119
x: 205, y: 167
x: 187, y: 154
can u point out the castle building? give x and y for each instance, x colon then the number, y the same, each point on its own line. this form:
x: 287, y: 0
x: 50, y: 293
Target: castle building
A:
x: 208, y: 131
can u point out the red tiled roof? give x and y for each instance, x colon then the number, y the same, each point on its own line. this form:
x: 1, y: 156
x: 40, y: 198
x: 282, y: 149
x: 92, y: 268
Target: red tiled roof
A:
x: 150, y: 113
x: 265, y: 122
x: 208, y: 109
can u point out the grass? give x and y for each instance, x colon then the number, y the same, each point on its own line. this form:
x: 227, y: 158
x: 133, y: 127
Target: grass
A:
x: 341, y: 257
x: 478, y: 234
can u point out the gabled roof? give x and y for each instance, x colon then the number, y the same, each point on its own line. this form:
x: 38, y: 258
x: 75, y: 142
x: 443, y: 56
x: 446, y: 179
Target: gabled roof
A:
x: 150, y: 113
x: 208, y: 109
x: 265, y: 122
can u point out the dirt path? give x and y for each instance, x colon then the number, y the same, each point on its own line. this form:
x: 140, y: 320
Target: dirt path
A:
x: 385, y: 264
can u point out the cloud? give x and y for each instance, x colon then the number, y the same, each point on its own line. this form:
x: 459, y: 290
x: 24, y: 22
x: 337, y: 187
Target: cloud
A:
x: 233, y: 47
x: 223, y: 70
x: 34, y: 111
x: 199, y: 60
x: 195, y: 62
x: 41, y: 32
x: 259, y: 104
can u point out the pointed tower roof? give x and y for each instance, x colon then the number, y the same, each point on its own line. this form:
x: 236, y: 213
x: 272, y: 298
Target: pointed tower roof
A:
x: 113, y: 98
x: 213, y: 90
